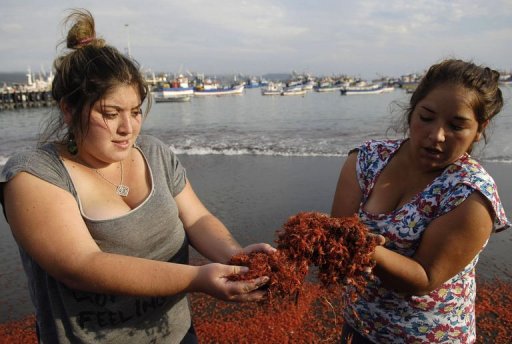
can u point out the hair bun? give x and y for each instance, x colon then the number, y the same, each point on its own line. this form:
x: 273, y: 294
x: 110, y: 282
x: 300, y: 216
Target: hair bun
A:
x: 92, y: 41
x: 82, y: 32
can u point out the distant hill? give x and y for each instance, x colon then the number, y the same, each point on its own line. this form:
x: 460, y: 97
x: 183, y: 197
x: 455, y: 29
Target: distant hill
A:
x: 10, y: 78
x: 277, y: 76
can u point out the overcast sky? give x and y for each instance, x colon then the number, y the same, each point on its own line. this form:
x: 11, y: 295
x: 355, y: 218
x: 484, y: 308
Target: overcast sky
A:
x: 361, y: 38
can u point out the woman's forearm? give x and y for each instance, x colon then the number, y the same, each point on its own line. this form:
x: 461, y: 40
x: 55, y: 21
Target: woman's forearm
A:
x: 212, y: 239
x: 117, y: 274
x: 401, y: 273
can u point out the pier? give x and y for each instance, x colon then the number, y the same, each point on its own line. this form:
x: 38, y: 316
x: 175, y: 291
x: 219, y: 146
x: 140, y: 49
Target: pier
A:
x: 36, y: 92
x: 20, y: 99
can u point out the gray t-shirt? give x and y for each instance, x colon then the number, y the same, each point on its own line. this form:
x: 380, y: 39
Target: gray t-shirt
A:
x: 153, y: 230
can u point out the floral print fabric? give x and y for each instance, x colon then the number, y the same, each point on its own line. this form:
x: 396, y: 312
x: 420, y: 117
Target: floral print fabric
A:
x: 447, y: 314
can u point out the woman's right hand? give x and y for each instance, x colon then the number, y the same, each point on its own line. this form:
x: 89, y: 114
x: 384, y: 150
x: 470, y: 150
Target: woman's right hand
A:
x: 212, y: 280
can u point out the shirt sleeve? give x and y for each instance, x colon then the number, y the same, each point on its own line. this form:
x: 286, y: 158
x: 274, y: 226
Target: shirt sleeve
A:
x: 179, y: 175
x: 479, y: 181
x: 40, y: 163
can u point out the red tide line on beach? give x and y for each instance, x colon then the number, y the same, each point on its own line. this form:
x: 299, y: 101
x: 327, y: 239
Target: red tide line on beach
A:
x: 494, y: 311
x: 312, y: 318
x: 315, y: 318
x: 19, y: 332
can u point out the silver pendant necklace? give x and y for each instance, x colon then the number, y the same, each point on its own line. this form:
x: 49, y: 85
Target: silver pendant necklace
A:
x: 121, y: 189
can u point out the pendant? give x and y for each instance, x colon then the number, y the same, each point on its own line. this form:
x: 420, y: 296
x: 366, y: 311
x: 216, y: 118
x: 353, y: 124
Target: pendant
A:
x: 122, y: 190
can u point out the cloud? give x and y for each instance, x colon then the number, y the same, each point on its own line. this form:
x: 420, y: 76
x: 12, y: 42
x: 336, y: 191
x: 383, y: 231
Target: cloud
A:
x: 10, y: 28
x: 391, y: 37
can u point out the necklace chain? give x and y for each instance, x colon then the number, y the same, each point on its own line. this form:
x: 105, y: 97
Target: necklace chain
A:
x: 121, y: 189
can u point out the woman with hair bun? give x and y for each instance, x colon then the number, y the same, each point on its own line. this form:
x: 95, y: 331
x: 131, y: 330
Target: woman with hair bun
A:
x: 104, y: 216
x: 435, y: 205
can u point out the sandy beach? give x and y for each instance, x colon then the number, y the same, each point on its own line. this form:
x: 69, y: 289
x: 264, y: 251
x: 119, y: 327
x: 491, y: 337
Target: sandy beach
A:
x: 253, y: 196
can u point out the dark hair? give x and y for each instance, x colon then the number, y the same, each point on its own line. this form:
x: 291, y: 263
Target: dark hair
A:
x: 87, y: 73
x: 482, y: 81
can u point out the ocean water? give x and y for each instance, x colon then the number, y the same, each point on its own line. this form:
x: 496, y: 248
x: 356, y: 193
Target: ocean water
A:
x: 318, y: 124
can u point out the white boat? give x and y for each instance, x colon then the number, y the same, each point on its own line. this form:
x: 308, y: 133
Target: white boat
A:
x: 172, y: 94
x: 327, y: 88
x: 219, y: 91
x: 252, y: 83
x: 293, y: 91
x: 308, y: 85
x: 272, y: 89
x: 362, y: 89
x: 178, y: 98
x: 506, y: 82
x: 177, y: 90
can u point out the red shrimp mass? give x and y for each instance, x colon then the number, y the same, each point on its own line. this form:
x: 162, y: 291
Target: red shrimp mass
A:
x: 340, y: 249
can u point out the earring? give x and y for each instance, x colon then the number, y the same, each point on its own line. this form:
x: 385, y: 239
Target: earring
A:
x: 72, y: 146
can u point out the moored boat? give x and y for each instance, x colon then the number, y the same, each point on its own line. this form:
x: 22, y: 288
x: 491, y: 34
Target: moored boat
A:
x: 252, y: 83
x: 328, y: 84
x: 308, y: 85
x: 172, y: 94
x: 177, y: 90
x: 506, y: 80
x: 387, y: 88
x: 293, y: 91
x: 178, y: 98
x: 272, y: 89
x: 327, y: 88
x: 219, y: 91
x: 362, y: 89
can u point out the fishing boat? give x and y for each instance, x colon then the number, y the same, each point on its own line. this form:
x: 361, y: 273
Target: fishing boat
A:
x: 177, y: 90
x: 178, y: 98
x: 219, y: 91
x: 387, y: 88
x: 252, y: 83
x: 308, y: 85
x: 272, y: 89
x: 327, y: 88
x: 506, y: 80
x: 327, y: 84
x: 172, y: 94
x: 362, y: 88
x: 293, y: 91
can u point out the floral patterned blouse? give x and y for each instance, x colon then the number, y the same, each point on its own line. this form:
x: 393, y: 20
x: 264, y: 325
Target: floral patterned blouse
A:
x: 447, y: 314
